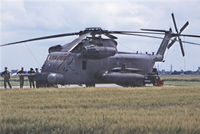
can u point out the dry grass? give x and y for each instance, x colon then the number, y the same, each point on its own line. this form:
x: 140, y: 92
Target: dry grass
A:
x: 160, y: 110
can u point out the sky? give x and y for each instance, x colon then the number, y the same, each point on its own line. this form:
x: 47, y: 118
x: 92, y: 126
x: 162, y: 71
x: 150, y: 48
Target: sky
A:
x: 25, y: 19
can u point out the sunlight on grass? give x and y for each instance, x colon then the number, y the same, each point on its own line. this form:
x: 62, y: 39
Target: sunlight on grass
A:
x: 101, y: 110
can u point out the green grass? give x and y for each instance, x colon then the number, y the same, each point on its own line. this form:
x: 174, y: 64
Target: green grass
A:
x: 15, y: 81
x: 145, y: 110
x: 181, y: 80
x: 181, y: 83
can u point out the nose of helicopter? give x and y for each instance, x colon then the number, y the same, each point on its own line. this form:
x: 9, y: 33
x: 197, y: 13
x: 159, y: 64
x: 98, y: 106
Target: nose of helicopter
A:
x: 55, y: 78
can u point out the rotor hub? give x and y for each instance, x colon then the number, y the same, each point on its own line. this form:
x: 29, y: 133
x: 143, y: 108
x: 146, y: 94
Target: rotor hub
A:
x: 93, y: 30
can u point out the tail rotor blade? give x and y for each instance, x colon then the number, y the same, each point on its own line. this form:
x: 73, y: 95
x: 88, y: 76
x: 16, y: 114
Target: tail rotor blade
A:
x: 181, y: 45
x: 173, y: 18
x: 179, y: 33
x: 186, y: 24
x: 171, y: 43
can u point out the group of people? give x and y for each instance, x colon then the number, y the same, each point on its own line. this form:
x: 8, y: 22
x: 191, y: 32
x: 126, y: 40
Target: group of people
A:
x: 31, y: 73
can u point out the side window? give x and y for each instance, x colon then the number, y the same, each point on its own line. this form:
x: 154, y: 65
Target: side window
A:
x: 84, y: 65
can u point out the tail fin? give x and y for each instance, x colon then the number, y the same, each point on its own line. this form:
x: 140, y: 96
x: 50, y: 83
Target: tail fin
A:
x: 161, y: 51
x: 168, y: 35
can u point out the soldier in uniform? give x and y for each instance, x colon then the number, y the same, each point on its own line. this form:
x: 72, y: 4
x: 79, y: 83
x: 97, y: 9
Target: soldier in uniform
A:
x: 31, y: 73
x: 6, y: 75
x: 21, y: 77
x: 36, y: 81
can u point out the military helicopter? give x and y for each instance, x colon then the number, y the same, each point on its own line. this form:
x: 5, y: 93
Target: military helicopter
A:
x: 91, y: 59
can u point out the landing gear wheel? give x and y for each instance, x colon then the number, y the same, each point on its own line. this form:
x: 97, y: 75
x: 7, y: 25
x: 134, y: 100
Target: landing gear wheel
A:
x: 44, y: 84
x: 40, y: 84
x: 159, y: 83
x: 90, y: 84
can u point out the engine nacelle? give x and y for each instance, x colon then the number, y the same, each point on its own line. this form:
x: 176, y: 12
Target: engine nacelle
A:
x: 98, y: 52
x: 55, y: 48
x: 118, y: 77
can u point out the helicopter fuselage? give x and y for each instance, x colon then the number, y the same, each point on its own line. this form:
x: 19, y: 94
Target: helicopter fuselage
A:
x: 72, y: 68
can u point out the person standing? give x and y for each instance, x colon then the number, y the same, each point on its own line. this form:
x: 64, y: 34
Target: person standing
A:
x: 36, y: 79
x: 6, y: 75
x: 31, y: 73
x: 21, y: 77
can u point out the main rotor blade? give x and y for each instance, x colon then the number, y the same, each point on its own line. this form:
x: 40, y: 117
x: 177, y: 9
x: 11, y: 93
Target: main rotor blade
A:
x: 193, y: 43
x: 173, y: 18
x: 181, y: 45
x: 128, y: 32
x: 70, y: 46
x: 186, y: 24
x: 142, y: 35
x: 156, y: 37
x: 110, y: 36
x: 154, y: 30
x: 41, y: 38
x: 171, y: 43
x: 189, y: 35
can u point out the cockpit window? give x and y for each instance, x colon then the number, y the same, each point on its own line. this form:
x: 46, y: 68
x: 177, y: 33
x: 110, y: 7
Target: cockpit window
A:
x: 56, y: 57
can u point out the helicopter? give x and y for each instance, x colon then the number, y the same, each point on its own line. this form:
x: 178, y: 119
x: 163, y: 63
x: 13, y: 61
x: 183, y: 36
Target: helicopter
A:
x: 91, y: 59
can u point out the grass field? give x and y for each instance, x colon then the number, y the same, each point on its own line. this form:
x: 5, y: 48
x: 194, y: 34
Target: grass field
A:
x: 145, y: 110
x: 181, y: 77
x: 15, y: 81
x: 181, y: 80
